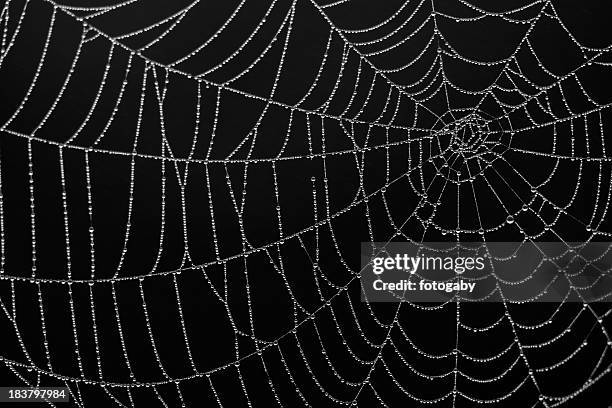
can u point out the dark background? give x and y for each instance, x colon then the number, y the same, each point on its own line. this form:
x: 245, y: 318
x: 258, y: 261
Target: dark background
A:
x: 354, y: 142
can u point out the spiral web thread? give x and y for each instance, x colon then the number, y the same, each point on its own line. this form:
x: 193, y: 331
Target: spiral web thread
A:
x: 472, y: 146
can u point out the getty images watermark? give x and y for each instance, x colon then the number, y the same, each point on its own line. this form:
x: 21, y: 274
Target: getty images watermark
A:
x: 413, y: 264
x: 491, y: 272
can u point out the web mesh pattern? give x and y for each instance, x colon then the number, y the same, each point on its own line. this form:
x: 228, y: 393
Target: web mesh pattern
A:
x: 184, y: 186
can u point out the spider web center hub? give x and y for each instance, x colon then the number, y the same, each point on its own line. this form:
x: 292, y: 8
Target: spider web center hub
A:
x: 467, y: 146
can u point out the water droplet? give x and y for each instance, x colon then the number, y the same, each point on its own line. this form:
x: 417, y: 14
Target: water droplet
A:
x: 510, y: 219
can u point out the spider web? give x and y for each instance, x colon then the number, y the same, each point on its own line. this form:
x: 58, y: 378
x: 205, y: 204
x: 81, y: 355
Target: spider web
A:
x: 184, y: 186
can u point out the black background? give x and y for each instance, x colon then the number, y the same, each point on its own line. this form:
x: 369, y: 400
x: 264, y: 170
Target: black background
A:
x: 335, y: 246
